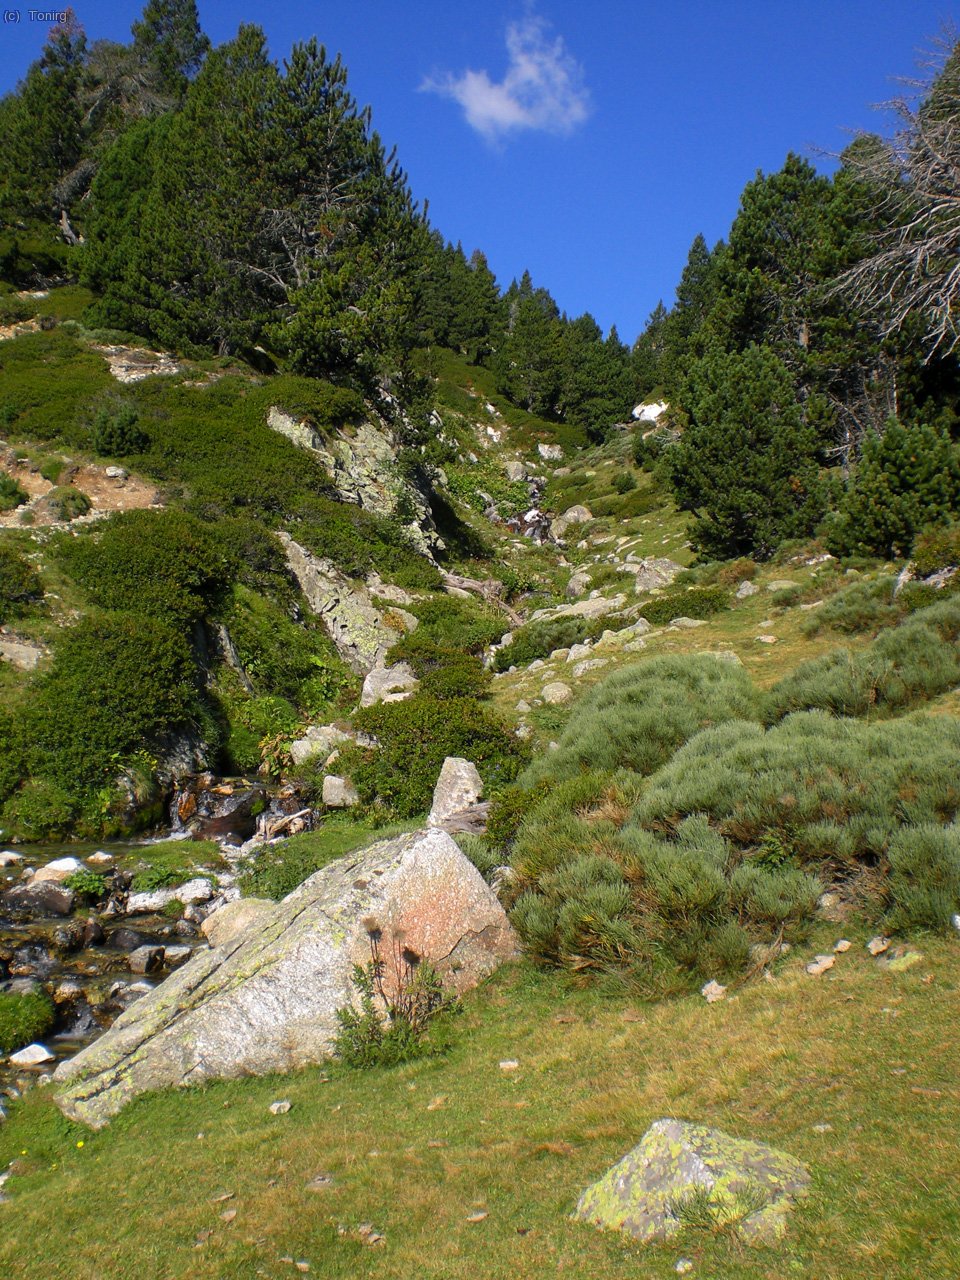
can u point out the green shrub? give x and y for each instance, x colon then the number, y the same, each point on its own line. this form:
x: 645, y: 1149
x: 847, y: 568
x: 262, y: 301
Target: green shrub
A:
x: 165, y: 564
x: 636, y: 718
x: 540, y: 639
x: 66, y: 503
x: 863, y: 606
x: 20, y: 583
x: 24, y: 1018
x: 936, y: 549
x: 695, y: 602
x: 254, y: 723
x: 924, y: 877
x: 12, y: 493
x: 624, y: 482
x: 730, y: 573
x: 481, y: 852
x: 446, y: 624
x: 41, y: 809
x: 116, y: 431
x: 117, y: 684
x: 87, y: 884
x: 907, y: 479
x: 455, y: 675
x: 52, y: 468
x: 415, y: 737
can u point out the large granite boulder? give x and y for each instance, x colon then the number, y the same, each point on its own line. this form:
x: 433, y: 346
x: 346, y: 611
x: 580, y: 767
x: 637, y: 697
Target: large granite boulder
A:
x: 266, y: 999
x: 680, y: 1169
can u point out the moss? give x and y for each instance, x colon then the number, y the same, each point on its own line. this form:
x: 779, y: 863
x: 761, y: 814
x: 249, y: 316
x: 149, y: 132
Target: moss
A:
x: 24, y: 1018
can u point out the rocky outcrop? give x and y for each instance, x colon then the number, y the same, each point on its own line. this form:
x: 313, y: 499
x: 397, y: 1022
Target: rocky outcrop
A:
x: 319, y: 740
x: 266, y: 1000
x: 362, y: 464
x: 652, y: 572
x: 361, y: 633
x: 747, y: 1185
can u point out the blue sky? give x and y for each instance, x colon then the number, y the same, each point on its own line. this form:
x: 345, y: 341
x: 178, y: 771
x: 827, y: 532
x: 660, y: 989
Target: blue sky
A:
x: 588, y: 144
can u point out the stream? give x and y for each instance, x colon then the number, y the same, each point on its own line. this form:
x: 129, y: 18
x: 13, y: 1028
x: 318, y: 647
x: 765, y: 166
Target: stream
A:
x: 95, y: 954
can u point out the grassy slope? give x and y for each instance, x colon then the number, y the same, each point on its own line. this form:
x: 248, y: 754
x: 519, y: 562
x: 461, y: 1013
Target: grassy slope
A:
x: 416, y: 1150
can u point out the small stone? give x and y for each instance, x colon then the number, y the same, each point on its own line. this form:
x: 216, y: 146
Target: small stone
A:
x: 509, y: 1064
x: 523, y: 706
x: 766, y: 639
x: 100, y: 858
x: 57, y: 871
x: 822, y: 1128
x: 556, y: 693
x: 842, y: 945
x: 820, y: 964
x: 145, y: 959
x: 955, y: 921
x: 173, y: 956
x: 713, y: 991
x: 684, y: 1266
x: 876, y: 946
x: 228, y: 1215
x: 478, y: 1216
x: 10, y: 859
x: 745, y: 589
x: 321, y: 1182
x: 280, y: 1108
x: 34, y: 1055
x: 339, y: 793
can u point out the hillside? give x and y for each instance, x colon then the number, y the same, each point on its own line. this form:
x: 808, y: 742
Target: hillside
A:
x: 321, y: 556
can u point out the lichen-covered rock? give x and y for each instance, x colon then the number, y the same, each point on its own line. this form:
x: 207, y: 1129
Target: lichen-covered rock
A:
x: 388, y: 684
x: 235, y: 918
x: 653, y: 572
x: 747, y: 1185
x: 458, y: 788
x: 361, y: 633
x: 266, y: 1000
x: 319, y: 740
x: 339, y: 793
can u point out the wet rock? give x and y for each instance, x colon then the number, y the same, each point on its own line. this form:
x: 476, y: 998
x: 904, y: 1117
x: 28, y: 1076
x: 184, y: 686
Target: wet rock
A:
x: 10, y: 859
x: 34, y: 1055
x: 46, y: 898
x: 196, y: 890
x: 176, y: 955
x: 93, y: 935
x: 145, y: 959
x: 124, y: 939
x: 643, y: 1194
x: 69, y: 937
x: 267, y: 1000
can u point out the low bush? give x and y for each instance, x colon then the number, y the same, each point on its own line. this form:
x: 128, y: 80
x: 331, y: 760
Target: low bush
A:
x: 40, y: 810
x: 24, y: 1018
x: 636, y: 718
x: 924, y: 877
x: 446, y: 625
x: 864, y: 606
x: 117, y: 684
x: 907, y: 664
x: 12, y: 493
x: 540, y: 639
x: 117, y: 433
x: 66, y: 503
x: 20, y: 584
x: 415, y: 737
x: 164, y: 564
x: 695, y: 602
x: 936, y: 549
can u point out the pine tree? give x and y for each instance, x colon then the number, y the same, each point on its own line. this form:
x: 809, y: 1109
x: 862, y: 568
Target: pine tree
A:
x: 168, y: 40
x: 747, y: 463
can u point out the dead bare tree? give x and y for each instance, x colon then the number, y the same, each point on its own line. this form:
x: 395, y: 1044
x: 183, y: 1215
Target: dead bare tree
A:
x: 912, y: 272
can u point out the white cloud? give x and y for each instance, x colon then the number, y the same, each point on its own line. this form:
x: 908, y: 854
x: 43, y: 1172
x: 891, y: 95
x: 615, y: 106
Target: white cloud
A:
x: 542, y: 89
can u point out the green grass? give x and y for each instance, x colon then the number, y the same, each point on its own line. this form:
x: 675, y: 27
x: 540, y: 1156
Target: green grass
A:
x: 277, y: 870
x: 418, y: 1149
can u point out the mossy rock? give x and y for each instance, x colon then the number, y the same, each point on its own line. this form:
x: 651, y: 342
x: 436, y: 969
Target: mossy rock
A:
x: 687, y: 1175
